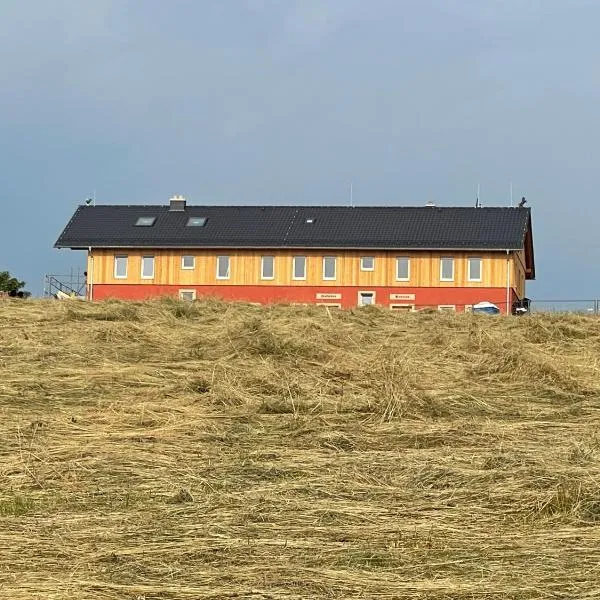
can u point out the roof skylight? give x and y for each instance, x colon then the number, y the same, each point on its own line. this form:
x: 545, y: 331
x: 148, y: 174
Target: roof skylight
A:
x: 145, y: 221
x: 196, y: 222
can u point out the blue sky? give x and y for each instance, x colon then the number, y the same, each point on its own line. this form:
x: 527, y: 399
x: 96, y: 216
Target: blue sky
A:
x: 288, y: 101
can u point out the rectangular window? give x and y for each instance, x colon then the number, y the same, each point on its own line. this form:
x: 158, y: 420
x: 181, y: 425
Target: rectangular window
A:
x: 188, y: 262
x: 147, y: 267
x: 187, y: 295
x: 474, y: 269
x: 447, y: 308
x: 267, y: 267
x: 121, y: 267
x: 447, y: 269
x: 145, y: 221
x: 222, y: 267
x: 402, y: 268
x: 367, y: 263
x: 329, y: 267
x: 403, y: 307
x: 299, y: 267
x: 196, y: 221
x: 366, y: 298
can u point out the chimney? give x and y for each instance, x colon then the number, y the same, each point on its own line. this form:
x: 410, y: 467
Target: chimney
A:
x: 177, y: 204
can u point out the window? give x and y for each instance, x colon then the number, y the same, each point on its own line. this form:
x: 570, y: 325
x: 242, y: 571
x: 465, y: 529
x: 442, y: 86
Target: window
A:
x: 447, y: 269
x: 267, y: 267
x: 402, y: 268
x: 145, y: 222
x: 196, y: 221
x: 222, y: 267
x: 474, y: 269
x: 188, y: 262
x: 329, y: 267
x: 402, y: 307
x: 187, y: 295
x: 447, y: 308
x: 299, y: 267
x: 366, y: 298
x: 121, y: 267
x: 367, y: 263
x: 147, y: 267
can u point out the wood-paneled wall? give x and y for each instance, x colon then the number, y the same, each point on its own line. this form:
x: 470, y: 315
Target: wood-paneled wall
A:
x: 245, y: 268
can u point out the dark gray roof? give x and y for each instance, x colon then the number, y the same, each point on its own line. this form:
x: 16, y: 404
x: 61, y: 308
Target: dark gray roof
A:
x: 287, y: 227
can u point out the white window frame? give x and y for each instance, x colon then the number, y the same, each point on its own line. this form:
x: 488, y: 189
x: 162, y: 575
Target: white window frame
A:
x: 411, y: 307
x: 183, y: 262
x: 228, y: 275
x: 480, y: 278
x: 305, y: 258
x: 398, y: 259
x: 447, y: 307
x: 126, y: 257
x: 442, y: 259
x: 262, y: 267
x: 361, y: 292
x: 362, y: 265
x: 183, y: 291
x: 334, y: 259
x: 142, y: 267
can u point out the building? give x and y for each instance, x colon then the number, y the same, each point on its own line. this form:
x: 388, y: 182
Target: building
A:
x: 403, y: 258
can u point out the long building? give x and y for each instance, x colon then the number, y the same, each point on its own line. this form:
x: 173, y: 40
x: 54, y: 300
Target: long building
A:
x: 404, y: 258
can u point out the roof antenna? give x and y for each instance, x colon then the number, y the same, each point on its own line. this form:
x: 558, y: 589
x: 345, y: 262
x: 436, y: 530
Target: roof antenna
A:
x: 351, y: 197
x: 477, y: 203
x: 511, y: 196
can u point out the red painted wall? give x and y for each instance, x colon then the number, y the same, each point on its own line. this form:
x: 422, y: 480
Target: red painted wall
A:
x: 308, y: 294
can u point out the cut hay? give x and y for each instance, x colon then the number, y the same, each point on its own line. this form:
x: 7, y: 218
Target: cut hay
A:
x: 170, y: 450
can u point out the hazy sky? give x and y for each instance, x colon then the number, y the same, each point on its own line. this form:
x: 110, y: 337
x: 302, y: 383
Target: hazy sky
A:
x: 288, y: 101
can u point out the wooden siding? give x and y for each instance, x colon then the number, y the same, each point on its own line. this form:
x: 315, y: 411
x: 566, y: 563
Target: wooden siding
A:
x: 245, y: 269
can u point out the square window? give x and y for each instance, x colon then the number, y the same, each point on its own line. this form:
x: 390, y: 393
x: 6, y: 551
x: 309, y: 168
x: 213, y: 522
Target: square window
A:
x: 267, y: 267
x: 188, y: 262
x: 329, y: 267
x: 147, y: 267
x: 366, y: 298
x: 121, y: 267
x: 197, y: 221
x: 367, y: 263
x: 474, y: 269
x: 402, y: 268
x: 299, y: 267
x: 145, y: 222
x: 447, y: 269
x: 222, y: 267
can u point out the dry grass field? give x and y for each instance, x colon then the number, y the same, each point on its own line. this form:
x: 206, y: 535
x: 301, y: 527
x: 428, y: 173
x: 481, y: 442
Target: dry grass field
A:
x: 180, y: 451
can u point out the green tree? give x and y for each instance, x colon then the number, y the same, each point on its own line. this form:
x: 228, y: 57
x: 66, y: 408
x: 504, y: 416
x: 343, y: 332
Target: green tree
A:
x: 10, y: 284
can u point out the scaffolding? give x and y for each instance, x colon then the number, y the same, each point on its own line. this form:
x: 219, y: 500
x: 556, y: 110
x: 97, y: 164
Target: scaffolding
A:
x: 72, y: 285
